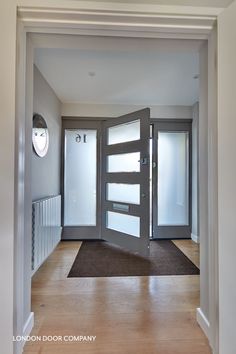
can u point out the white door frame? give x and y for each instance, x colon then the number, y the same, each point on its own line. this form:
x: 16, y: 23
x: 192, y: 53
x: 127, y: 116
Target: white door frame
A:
x: 147, y: 21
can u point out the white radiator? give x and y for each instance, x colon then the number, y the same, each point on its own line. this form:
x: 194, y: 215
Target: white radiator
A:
x: 46, y: 229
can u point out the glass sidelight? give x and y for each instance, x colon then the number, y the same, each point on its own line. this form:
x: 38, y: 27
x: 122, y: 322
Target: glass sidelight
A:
x: 81, y: 193
x: 172, y: 179
x: 80, y: 180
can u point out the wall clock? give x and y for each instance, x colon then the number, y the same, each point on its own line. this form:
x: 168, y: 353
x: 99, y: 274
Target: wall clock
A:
x: 40, y: 135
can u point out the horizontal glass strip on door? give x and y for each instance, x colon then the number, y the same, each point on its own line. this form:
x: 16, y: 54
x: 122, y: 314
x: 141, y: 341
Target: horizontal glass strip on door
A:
x: 126, y: 193
x: 129, y: 162
x: 127, y: 224
x: 124, y: 132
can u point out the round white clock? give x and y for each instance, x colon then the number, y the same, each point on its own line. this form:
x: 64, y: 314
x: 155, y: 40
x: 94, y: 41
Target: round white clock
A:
x: 40, y: 135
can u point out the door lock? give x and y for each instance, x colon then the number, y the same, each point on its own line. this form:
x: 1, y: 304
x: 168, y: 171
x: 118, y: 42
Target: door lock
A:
x: 143, y: 161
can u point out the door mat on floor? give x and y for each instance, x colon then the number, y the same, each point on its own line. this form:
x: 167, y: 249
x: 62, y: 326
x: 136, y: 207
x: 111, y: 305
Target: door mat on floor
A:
x: 102, y: 259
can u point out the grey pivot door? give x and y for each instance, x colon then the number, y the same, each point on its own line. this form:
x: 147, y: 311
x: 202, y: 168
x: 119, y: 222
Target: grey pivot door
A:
x: 125, y: 181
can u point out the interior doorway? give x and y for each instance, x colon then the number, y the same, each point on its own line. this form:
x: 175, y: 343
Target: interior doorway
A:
x: 29, y: 110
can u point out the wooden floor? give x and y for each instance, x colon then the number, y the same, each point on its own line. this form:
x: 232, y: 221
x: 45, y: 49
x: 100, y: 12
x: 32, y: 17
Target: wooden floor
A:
x: 190, y: 249
x: 128, y: 315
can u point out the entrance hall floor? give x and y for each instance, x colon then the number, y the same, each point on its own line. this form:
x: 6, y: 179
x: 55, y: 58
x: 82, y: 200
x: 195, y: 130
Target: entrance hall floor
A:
x: 128, y: 315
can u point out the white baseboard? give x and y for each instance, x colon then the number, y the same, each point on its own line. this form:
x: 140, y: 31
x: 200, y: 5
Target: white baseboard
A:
x: 195, y: 238
x: 203, y: 322
x: 29, y: 324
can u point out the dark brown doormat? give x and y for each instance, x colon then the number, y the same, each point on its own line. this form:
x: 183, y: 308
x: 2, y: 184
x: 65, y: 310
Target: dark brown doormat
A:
x: 102, y: 259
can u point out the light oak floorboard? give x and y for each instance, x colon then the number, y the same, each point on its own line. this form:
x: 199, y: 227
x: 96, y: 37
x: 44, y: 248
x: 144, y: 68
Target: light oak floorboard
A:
x: 130, y: 315
x: 190, y: 249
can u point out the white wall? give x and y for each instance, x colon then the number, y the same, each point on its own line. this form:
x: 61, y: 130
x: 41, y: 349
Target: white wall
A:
x: 215, y: 3
x: 46, y: 170
x: 227, y: 178
x: 203, y: 190
x: 195, y: 189
x: 114, y: 110
x: 7, y: 145
x: 213, y: 188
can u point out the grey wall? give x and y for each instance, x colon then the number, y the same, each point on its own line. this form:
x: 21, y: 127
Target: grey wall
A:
x: 116, y: 110
x: 195, y: 187
x: 46, y: 170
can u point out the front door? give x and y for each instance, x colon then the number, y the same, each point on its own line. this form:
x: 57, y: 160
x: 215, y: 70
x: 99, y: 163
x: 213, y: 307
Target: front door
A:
x: 125, y: 181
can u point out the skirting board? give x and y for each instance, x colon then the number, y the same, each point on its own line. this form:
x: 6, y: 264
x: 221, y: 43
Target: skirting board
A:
x: 28, y: 325
x: 195, y: 238
x: 27, y: 328
x: 203, y: 322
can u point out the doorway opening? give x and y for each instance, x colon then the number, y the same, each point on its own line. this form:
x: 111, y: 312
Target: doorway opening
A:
x: 106, y: 178
x: 189, y: 35
x: 126, y: 178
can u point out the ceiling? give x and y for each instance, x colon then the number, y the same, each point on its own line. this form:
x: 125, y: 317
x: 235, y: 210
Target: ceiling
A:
x: 205, y: 3
x: 130, y: 71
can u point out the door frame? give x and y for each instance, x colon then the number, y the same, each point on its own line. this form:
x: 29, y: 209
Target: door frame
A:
x: 153, y: 21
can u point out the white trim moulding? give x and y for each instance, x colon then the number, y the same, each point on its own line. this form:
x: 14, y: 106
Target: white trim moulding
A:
x: 150, y: 23
x: 203, y: 322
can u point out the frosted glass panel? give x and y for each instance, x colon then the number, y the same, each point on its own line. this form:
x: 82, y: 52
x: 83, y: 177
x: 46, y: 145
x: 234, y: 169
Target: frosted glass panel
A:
x: 173, y: 177
x: 80, y: 177
x: 124, y: 162
x: 126, y: 193
x: 124, y: 132
x: 127, y: 224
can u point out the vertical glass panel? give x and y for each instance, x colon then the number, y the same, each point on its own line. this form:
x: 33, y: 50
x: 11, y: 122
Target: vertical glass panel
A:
x: 80, y: 177
x: 173, y: 178
x: 124, y: 132
x: 127, y: 224
x: 124, y: 162
x: 126, y: 193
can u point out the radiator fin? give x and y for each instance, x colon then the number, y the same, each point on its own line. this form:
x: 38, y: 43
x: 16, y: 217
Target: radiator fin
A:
x: 46, y: 229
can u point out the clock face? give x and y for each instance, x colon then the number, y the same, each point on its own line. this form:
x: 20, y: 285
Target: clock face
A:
x: 40, y: 135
